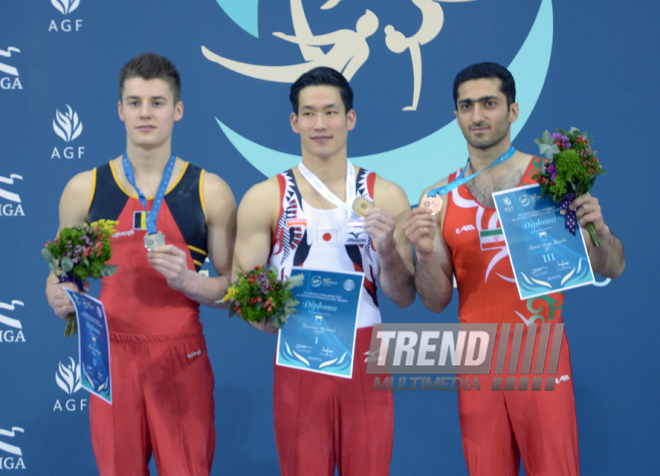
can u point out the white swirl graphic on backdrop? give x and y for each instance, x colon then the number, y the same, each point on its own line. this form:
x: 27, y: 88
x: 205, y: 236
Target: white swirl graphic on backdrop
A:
x: 330, y: 4
x: 68, y: 377
x: 8, y: 321
x: 5, y: 68
x: 12, y: 197
x: 65, y: 6
x: 69, y: 127
x: 11, y: 449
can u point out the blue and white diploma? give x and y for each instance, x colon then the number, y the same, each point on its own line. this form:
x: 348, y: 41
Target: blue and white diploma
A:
x: 545, y: 256
x: 320, y: 337
x: 93, y: 345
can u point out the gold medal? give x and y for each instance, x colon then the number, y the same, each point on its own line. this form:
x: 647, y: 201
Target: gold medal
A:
x: 361, y: 205
x: 432, y: 203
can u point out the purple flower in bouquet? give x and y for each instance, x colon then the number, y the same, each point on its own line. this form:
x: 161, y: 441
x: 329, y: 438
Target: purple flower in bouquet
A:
x: 79, y: 253
x: 258, y: 294
x: 570, y: 171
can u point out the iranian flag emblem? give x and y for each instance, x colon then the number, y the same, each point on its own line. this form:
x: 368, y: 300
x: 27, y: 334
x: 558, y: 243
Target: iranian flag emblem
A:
x: 491, y: 239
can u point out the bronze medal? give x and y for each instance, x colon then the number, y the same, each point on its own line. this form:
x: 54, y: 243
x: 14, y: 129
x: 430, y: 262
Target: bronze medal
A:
x: 361, y: 205
x: 432, y: 203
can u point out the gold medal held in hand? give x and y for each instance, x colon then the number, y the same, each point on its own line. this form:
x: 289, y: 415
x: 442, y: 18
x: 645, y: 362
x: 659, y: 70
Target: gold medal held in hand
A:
x: 361, y: 205
x: 432, y: 203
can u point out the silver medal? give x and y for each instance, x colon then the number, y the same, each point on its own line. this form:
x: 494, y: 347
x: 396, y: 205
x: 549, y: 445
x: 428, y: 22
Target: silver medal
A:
x: 154, y: 240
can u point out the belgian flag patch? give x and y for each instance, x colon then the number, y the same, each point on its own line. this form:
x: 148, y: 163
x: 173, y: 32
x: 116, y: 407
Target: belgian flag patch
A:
x: 139, y: 220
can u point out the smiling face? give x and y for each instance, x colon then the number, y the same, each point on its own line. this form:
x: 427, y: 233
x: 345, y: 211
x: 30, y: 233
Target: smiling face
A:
x: 148, y: 110
x: 483, y: 115
x: 322, y: 122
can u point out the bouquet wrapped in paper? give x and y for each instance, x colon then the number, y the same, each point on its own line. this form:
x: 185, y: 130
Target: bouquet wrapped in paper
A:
x: 570, y: 171
x: 78, y: 253
x: 258, y: 294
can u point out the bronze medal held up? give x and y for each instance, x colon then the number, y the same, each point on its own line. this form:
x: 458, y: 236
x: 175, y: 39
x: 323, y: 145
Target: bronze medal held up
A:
x: 432, y: 203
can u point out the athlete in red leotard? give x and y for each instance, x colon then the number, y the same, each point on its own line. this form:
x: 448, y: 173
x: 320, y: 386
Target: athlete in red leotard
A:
x: 162, y: 382
x: 499, y: 427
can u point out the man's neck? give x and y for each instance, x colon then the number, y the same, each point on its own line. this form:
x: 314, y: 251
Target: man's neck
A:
x: 329, y: 170
x: 482, y: 158
x: 147, y: 162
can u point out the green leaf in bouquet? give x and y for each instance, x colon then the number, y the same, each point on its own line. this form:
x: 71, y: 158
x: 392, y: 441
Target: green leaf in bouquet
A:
x: 50, y: 259
x: 543, y: 168
x: 549, y: 150
x: 288, y: 310
x: 67, y: 264
x: 260, y: 305
x: 53, y: 267
x: 546, y: 138
x: 45, y: 252
x: 232, y: 309
x: 277, y: 320
x: 282, y: 319
x: 108, y: 269
x: 291, y: 302
x: 295, y: 281
x: 273, y: 269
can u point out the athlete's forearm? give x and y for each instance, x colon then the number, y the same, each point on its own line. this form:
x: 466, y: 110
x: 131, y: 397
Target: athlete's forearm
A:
x: 608, y: 259
x: 433, y: 284
x: 206, y: 290
x: 396, y: 280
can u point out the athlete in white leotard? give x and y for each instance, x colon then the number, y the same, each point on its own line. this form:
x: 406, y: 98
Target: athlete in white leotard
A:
x: 303, y: 217
x: 325, y: 240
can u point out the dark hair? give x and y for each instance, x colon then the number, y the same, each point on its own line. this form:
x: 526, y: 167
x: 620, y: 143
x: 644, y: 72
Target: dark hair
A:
x: 488, y: 70
x: 322, y: 76
x: 151, y: 66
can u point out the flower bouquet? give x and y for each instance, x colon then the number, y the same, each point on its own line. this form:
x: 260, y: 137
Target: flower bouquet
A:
x: 258, y: 294
x: 79, y: 253
x: 570, y: 171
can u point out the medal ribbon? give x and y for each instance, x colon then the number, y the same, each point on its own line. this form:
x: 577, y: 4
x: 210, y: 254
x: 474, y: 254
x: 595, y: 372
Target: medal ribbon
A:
x: 460, y: 180
x: 325, y: 192
x: 162, y: 188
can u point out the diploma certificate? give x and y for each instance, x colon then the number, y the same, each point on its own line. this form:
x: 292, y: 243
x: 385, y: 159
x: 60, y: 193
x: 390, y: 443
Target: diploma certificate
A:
x: 545, y: 256
x: 93, y: 345
x: 320, y: 337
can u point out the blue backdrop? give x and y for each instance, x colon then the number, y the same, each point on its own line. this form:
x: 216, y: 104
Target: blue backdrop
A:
x: 576, y: 64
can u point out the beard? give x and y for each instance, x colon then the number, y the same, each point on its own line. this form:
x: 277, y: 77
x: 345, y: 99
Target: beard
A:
x: 499, y: 131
